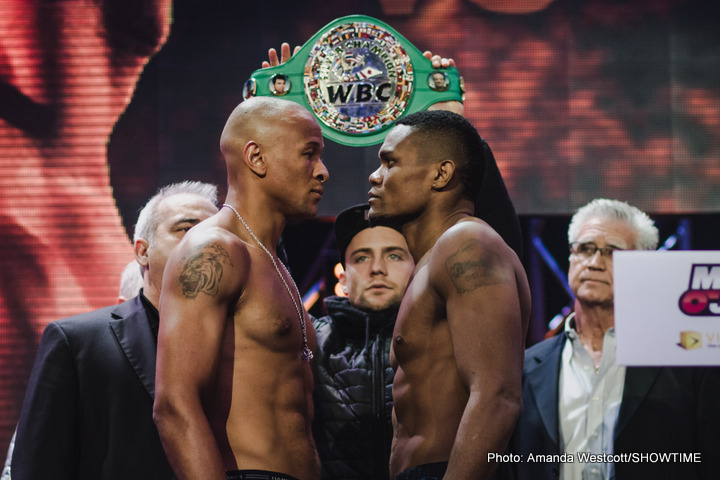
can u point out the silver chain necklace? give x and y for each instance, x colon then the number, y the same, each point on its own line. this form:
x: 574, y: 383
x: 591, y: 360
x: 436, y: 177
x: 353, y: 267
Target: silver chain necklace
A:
x: 306, y: 352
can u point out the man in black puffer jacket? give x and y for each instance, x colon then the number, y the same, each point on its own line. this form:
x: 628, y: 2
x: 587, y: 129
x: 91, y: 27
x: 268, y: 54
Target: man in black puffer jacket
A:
x: 353, y: 377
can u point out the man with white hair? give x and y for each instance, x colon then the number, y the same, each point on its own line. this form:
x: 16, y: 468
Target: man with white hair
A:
x: 577, y: 400
x: 131, y: 282
x: 88, y: 407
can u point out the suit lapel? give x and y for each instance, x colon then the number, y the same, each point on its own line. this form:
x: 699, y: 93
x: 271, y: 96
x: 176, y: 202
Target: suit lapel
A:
x: 137, y: 341
x: 542, y: 376
x: 637, y: 385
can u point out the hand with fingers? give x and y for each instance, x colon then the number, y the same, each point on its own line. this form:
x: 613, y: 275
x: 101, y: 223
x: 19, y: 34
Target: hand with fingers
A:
x: 441, y: 62
x: 285, y: 55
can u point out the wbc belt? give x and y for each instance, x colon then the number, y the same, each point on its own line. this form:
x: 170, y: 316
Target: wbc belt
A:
x: 357, y: 75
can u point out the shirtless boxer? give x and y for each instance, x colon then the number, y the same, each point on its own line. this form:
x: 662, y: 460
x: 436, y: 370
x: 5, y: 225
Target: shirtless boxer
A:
x: 458, y: 342
x: 234, y: 383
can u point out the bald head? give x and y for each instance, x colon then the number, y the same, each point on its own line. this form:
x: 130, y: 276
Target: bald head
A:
x: 254, y: 119
x: 264, y: 139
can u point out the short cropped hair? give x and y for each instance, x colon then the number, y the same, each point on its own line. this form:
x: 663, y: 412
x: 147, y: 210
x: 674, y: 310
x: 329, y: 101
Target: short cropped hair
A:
x: 440, y: 133
x: 639, y: 221
x: 149, y: 217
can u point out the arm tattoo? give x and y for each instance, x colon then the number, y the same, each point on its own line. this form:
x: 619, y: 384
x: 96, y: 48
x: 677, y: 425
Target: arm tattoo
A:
x: 203, y: 271
x: 472, y: 267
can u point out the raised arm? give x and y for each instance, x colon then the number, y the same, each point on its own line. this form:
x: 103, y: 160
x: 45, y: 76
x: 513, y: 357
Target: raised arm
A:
x: 486, y: 298
x: 202, y: 282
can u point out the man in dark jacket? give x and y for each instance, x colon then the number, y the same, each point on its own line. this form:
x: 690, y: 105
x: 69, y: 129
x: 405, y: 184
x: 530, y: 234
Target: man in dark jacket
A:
x: 353, y: 377
x: 636, y: 422
x: 88, y: 407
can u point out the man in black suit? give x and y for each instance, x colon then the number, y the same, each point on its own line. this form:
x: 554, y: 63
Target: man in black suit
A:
x: 87, y: 412
x: 577, y: 399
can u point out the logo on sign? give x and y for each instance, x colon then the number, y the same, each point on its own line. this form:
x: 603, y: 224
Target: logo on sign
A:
x: 690, y: 340
x: 358, y: 78
x: 702, y: 298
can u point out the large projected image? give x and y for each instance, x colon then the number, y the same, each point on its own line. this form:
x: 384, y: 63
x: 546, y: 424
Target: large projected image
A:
x: 577, y: 99
x: 589, y: 99
x: 67, y: 72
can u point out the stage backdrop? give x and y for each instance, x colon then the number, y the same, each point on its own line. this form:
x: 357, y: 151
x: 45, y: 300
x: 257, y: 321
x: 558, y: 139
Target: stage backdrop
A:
x: 577, y: 98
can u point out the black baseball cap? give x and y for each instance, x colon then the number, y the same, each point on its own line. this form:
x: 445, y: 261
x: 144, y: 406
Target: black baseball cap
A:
x: 349, y: 223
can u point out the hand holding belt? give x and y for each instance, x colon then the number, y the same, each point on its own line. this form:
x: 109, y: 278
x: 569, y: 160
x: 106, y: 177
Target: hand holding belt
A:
x: 357, y: 75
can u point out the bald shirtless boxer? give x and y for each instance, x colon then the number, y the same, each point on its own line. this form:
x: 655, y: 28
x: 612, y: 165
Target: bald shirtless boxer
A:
x: 459, y: 337
x: 234, y: 383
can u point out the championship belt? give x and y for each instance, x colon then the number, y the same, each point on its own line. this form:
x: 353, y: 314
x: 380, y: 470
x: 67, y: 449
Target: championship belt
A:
x: 357, y: 75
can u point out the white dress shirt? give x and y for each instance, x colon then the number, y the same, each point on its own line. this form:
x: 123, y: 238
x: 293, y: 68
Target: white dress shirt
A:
x: 589, y: 402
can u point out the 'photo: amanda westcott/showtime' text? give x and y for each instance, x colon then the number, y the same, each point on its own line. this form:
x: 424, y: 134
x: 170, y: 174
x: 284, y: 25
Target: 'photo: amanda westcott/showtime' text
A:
x: 585, y: 457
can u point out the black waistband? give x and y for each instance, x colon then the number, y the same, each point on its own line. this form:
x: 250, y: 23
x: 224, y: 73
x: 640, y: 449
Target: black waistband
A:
x: 428, y: 471
x: 257, y: 475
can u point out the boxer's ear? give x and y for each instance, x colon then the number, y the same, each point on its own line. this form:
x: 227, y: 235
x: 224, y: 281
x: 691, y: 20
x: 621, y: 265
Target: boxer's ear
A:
x: 254, y: 158
x: 444, y: 174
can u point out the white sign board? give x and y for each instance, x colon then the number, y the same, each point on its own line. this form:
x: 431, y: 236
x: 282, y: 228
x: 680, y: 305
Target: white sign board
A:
x: 667, y: 307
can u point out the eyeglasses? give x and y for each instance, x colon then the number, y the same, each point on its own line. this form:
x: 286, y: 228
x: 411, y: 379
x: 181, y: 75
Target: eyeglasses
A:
x: 587, y: 250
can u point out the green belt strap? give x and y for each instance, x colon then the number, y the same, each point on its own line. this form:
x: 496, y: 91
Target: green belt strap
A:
x: 357, y: 75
